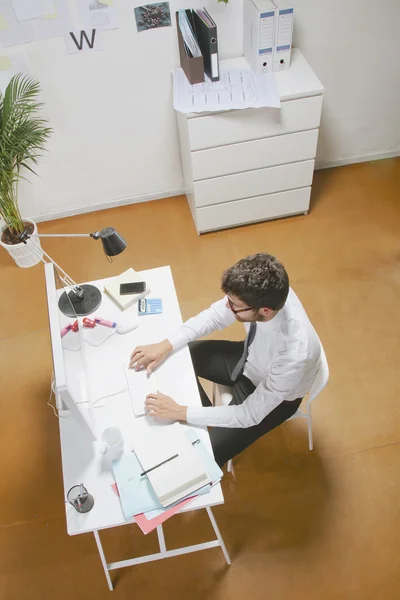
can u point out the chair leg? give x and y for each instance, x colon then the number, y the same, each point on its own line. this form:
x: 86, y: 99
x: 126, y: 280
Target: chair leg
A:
x: 214, y: 393
x: 310, y: 435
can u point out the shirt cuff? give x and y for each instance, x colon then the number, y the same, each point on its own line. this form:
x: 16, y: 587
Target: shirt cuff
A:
x: 177, y: 339
x: 195, y: 415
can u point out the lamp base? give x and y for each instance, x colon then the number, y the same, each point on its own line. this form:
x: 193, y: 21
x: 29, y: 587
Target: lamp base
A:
x: 71, y: 305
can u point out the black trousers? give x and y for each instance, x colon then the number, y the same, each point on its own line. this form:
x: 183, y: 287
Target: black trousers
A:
x: 215, y: 360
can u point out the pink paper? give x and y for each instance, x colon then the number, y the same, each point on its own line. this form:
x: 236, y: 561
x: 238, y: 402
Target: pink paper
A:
x: 147, y: 525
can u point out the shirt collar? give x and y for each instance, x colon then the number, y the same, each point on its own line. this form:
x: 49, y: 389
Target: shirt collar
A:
x: 272, y: 324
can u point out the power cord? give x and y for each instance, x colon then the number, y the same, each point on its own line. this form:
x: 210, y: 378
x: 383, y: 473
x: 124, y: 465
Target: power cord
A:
x: 110, y: 396
x: 52, y: 391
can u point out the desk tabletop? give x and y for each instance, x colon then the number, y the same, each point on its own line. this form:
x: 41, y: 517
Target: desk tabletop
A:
x: 82, y: 460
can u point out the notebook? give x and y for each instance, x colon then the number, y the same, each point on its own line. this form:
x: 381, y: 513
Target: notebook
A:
x: 173, y: 465
x: 112, y: 289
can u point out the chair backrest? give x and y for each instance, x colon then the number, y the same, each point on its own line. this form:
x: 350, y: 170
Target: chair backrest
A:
x: 321, y: 377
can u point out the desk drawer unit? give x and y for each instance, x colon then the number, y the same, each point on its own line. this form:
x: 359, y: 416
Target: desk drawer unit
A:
x: 253, y: 183
x: 251, y: 210
x: 244, y: 166
x: 237, y: 126
x: 268, y: 152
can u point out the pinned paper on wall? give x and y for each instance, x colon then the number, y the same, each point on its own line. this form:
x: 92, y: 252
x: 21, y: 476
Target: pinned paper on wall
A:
x: 31, y: 9
x: 108, y: 2
x: 82, y: 41
x: 11, y: 66
x: 3, y: 22
x: 98, y: 15
x: 52, y: 15
x: 59, y: 23
x: 5, y: 63
x: 15, y: 32
x: 152, y: 16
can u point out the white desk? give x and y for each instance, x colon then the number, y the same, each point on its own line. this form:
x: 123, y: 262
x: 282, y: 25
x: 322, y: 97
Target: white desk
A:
x: 82, y: 461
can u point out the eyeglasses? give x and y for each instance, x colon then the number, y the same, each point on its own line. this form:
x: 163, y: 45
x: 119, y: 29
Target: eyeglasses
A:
x: 236, y: 311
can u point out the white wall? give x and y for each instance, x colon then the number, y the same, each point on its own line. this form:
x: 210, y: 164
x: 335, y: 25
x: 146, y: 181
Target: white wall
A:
x: 115, y: 136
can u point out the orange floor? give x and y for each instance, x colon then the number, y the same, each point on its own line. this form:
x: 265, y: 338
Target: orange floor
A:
x: 298, y: 525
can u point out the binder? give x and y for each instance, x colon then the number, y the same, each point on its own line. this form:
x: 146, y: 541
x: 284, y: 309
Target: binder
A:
x: 283, y: 35
x: 193, y: 67
x: 259, y: 19
x: 206, y: 32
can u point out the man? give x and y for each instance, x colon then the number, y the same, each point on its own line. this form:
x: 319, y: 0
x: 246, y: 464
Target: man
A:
x: 269, y: 372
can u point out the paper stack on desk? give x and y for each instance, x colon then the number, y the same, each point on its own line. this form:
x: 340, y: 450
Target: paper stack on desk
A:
x: 236, y: 89
x: 124, y: 301
x: 137, y: 494
x: 171, y: 463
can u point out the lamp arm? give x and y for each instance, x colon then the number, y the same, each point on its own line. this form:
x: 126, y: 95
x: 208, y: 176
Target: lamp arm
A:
x: 64, y: 276
x: 60, y: 235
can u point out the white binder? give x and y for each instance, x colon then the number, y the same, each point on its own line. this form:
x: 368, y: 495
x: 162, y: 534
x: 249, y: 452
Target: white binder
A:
x: 259, y: 18
x: 283, y: 35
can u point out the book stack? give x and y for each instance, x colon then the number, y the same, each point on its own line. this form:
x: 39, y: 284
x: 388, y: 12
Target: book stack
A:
x: 113, y: 285
x: 168, y: 469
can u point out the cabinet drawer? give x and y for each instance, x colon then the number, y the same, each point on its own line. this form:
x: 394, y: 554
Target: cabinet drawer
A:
x: 256, y: 154
x: 253, y: 209
x: 253, y: 183
x: 236, y: 126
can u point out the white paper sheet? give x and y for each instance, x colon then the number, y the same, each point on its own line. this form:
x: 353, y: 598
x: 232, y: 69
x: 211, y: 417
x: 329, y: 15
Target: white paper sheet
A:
x: 237, y: 89
x: 30, y: 9
x: 55, y: 24
x: 18, y: 65
x: 85, y: 40
x: 96, y: 15
x: 16, y: 32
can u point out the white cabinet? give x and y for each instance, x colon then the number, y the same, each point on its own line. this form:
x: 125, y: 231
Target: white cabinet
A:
x: 250, y: 165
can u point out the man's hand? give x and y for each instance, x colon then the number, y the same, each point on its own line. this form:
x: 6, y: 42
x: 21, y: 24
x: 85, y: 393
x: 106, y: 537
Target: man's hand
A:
x: 162, y: 406
x: 150, y: 357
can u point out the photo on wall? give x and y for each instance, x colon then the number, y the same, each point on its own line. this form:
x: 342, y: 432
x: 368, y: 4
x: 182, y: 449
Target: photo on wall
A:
x: 152, y: 16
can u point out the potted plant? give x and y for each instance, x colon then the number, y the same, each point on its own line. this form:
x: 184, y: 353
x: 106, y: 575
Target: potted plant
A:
x: 22, y: 139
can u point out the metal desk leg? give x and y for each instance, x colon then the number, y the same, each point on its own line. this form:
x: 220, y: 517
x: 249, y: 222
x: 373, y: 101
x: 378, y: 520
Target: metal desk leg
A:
x: 161, y: 539
x: 219, y: 536
x: 103, y: 559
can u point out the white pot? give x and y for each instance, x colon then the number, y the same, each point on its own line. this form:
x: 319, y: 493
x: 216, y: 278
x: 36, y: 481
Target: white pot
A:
x: 23, y: 254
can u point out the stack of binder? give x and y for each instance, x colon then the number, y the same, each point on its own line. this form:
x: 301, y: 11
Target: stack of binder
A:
x: 168, y: 468
x: 198, y: 45
x: 267, y: 34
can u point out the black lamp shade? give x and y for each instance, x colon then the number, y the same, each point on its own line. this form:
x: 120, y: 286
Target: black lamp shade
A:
x: 113, y: 242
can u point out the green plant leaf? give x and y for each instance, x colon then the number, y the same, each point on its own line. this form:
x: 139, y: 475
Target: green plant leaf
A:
x: 23, y: 137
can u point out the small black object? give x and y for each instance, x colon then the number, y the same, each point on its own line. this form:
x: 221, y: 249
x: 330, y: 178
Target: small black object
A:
x: 135, y: 287
x: 80, y: 499
x: 80, y: 301
x: 159, y: 464
x: 113, y: 242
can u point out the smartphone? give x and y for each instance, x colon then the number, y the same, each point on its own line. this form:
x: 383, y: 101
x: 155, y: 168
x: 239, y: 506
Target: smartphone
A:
x: 132, y: 288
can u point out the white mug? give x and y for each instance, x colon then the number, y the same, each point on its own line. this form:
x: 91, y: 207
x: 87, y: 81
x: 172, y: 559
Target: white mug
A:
x: 112, y: 441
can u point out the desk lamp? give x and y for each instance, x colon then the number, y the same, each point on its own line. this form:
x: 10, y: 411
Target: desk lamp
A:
x: 86, y: 298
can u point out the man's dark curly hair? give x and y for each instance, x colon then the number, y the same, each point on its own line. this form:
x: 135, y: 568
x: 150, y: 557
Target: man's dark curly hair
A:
x: 259, y: 280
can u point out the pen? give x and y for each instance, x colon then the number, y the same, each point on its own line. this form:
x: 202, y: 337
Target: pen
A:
x: 159, y: 465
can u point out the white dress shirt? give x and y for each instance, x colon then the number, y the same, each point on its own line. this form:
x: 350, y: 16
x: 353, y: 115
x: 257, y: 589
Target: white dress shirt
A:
x: 282, y: 361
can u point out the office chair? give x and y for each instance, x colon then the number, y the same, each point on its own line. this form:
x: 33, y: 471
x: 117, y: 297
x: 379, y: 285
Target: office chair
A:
x: 224, y: 394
